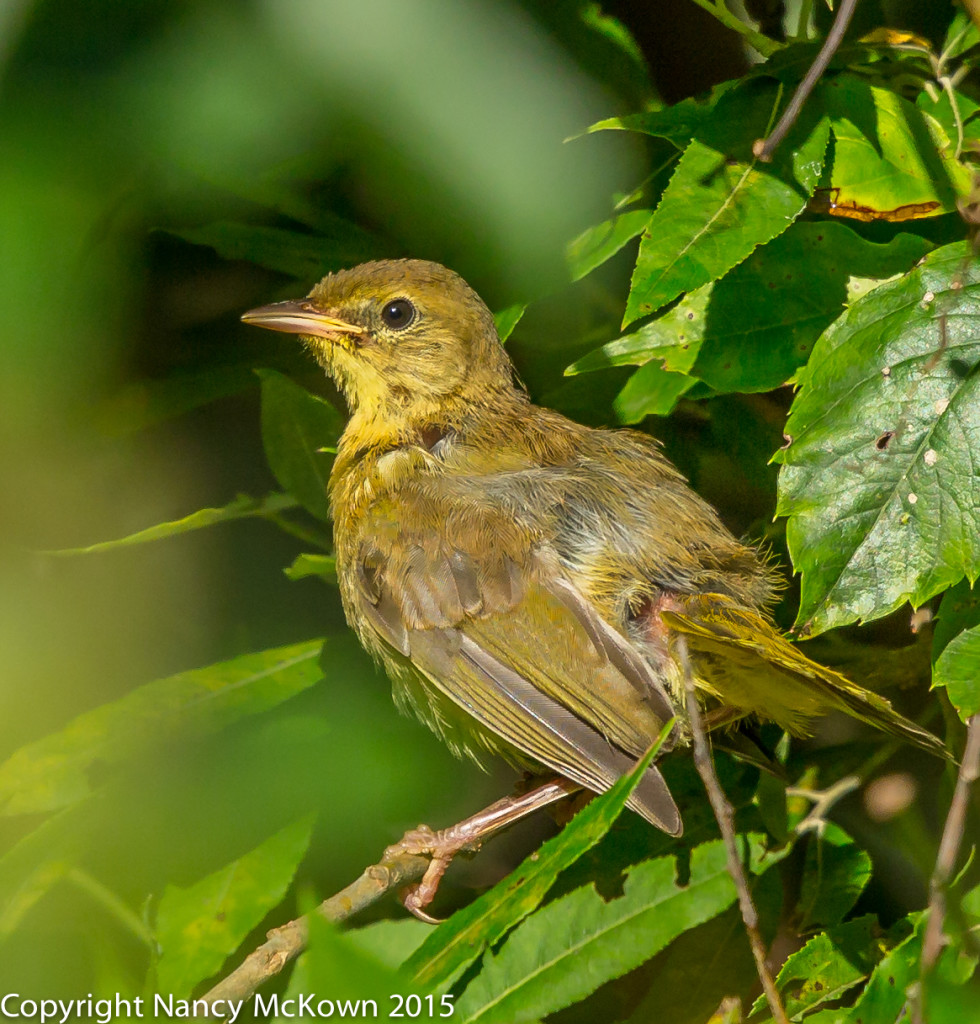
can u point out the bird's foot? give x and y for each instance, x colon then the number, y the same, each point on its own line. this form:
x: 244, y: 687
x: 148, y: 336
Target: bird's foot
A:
x: 468, y: 835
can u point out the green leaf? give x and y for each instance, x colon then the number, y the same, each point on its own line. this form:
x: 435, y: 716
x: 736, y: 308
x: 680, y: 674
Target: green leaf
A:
x: 340, y: 970
x: 755, y: 327
x: 886, y: 993
x: 305, y: 565
x: 651, y: 391
x: 889, y: 157
x: 295, y: 427
x: 198, y: 927
x: 307, y: 257
x: 835, y: 874
x: 460, y: 940
x: 676, y: 123
x: 54, y: 772
x: 599, y: 243
x: 145, y: 403
x: 707, y: 963
x: 958, y: 610
x: 243, y: 507
x: 878, y: 479
x: 392, y: 942
x: 826, y: 967
x: 580, y: 941
x: 507, y: 319
x: 721, y: 202
x: 958, y: 669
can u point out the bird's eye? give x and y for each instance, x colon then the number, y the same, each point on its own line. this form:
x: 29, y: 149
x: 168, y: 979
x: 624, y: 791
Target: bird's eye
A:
x: 398, y: 314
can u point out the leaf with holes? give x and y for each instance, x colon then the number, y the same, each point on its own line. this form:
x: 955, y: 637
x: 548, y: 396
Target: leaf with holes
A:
x: 880, y: 479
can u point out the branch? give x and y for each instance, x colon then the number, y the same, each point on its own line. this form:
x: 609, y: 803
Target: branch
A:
x: 949, y: 848
x: 288, y: 941
x: 419, y: 859
x: 764, y: 148
x: 724, y: 816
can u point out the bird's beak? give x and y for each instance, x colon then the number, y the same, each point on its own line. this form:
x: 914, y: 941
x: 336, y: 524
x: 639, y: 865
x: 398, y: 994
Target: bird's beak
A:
x: 299, y: 317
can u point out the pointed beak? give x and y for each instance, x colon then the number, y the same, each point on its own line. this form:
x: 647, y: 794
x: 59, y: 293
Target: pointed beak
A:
x: 299, y: 317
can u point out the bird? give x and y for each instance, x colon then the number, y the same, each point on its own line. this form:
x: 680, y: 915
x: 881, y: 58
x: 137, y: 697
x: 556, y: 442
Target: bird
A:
x: 525, y: 580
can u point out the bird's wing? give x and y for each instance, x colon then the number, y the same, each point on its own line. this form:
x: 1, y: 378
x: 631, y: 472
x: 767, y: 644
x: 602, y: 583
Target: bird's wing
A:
x: 493, y: 626
x: 748, y: 664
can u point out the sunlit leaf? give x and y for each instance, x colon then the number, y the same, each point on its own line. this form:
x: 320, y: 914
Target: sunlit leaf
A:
x: 958, y: 669
x: 722, y: 202
x: 755, y: 327
x: 829, y: 965
x: 54, y: 772
x: 462, y: 938
x: 243, y: 507
x: 579, y: 941
x: 891, y: 160
x: 296, y: 428
x: 199, y: 926
x: 324, y: 566
x: 878, y: 479
x: 507, y: 319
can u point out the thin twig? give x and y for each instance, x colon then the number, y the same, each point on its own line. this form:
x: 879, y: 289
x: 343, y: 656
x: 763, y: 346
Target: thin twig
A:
x: 949, y: 848
x: 419, y: 859
x: 288, y: 941
x: 764, y: 148
x: 725, y: 818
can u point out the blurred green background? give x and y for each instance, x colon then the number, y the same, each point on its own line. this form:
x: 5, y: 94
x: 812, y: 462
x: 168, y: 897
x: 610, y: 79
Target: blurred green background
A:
x: 127, y: 395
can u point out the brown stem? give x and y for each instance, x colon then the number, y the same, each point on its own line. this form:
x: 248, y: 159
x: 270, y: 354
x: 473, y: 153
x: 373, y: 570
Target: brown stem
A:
x: 949, y: 848
x: 421, y: 856
x: 288, y: 941
x: 725, y: 818
x: 764, y: 148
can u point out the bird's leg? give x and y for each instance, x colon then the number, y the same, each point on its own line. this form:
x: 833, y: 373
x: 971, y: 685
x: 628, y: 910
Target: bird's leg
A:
x: 469, y: 834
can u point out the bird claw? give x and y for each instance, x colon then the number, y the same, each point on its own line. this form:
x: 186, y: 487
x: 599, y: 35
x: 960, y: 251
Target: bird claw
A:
x: 442, y: 847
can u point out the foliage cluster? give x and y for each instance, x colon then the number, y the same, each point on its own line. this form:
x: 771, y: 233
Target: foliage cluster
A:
x: 839, y: 268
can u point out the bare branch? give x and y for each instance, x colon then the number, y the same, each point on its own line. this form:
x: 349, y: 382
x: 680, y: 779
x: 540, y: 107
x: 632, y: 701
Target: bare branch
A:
x: 949, y: 848
x: 288, y: 941
x: 725, y: 818
x: 764, y: 148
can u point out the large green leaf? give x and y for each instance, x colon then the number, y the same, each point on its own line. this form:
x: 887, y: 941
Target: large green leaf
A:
x: 891, y: 160
x: 297, y: 427
x: 879, y: 475
x: 54, y: 772
x: 243, y: 507
x: 462, y: 938
x: 722, y: 202
x: 755, y: 327
x: 200, y: 926
x: 580, y: 941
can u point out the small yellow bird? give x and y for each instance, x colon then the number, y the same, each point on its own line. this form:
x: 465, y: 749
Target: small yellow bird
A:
x: 521, y: 577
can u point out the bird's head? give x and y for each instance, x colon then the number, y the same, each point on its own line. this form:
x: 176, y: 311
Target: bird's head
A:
x: 400, y: 337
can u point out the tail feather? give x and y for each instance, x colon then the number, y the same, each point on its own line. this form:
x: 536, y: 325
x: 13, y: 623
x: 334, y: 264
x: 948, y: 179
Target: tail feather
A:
x: 746, y: 663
